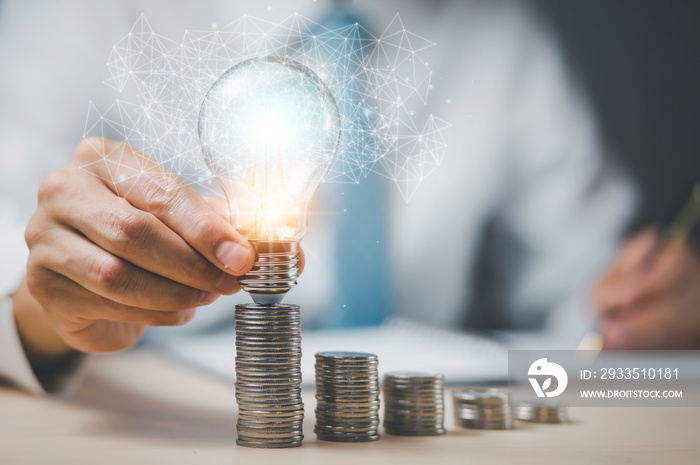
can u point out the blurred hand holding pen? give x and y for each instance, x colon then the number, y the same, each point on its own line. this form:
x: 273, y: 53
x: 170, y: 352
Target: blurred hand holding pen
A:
x: 650, y: 296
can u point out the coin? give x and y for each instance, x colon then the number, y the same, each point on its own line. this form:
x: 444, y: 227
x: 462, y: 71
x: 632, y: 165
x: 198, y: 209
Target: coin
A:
x: 268, y: 444
x: 482, y: 408
x: 413, y: 403
x: 350, y: 437
x: 268, y: 376
x: 541, y: 413
x: 347, y: 397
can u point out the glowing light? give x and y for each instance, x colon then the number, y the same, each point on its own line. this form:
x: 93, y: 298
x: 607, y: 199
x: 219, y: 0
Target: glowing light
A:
x: 163, y: 83
x: 269, y: 129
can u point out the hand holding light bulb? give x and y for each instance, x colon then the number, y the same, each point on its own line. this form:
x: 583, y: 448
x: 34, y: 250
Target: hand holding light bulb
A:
x: 107, y: 259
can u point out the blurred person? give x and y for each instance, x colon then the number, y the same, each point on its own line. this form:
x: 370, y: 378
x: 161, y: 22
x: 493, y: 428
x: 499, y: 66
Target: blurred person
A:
x: 524, y: 178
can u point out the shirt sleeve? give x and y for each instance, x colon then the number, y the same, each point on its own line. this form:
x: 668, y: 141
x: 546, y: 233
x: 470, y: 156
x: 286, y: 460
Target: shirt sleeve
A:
x: 15, y: 368
x: 14, y: 365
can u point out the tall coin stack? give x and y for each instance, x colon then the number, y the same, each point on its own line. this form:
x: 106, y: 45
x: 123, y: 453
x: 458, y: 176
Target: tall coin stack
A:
x: 539, y: 413
x: 268, y: 376
x: 347, y: 397
x: 414, y: 403
x: 482, y: 408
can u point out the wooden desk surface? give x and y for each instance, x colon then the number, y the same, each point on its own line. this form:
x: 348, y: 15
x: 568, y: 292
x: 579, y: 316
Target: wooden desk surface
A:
x: 140, y: 408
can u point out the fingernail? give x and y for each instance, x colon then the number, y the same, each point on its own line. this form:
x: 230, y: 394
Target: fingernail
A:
x: 189, y: 314
x: 208, y: 297
x: 232, y: 255
x: 227, y: 284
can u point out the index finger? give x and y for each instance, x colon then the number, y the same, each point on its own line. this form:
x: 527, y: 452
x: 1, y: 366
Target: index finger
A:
x: 151, y: 188
x: 666, y: 276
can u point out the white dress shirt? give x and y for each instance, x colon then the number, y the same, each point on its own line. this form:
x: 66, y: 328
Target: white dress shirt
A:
x: 523, y: 155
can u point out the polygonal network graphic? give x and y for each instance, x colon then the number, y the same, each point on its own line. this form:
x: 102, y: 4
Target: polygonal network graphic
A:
x: 376, y: 81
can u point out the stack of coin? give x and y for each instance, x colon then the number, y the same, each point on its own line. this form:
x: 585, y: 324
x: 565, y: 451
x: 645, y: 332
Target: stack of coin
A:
x: 347, y: 397
x: 268, y: 375
x: 540, y: 413
x: 414, y: 403
x: 482, y: 408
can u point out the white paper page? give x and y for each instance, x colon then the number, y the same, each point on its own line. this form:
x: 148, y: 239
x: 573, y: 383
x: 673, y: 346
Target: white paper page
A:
x: 399, y: 344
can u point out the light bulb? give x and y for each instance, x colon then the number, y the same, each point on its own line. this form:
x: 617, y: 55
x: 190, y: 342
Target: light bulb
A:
x: 269, y: 129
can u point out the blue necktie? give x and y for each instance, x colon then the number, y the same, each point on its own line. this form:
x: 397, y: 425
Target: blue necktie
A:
x: 361, y: 265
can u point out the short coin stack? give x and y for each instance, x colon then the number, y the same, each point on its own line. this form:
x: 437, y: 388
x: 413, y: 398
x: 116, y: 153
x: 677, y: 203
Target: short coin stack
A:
x: 539, y: 413
x: 482, y: 408
x: 414, y: 403
x: 347, y: 397
x: 268, y: 376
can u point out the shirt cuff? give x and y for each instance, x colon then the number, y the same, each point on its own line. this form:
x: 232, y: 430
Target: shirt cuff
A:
x: 15, y: 367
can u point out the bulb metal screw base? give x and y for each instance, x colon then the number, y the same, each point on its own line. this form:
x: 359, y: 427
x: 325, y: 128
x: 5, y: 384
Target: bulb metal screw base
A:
x: 274, y: 273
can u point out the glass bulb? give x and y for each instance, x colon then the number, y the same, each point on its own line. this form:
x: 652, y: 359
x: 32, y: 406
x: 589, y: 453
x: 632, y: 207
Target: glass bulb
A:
x: 269, y: 129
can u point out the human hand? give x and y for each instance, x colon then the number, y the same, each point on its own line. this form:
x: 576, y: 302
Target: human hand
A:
x: 109, y: 258
x: 650, y: 297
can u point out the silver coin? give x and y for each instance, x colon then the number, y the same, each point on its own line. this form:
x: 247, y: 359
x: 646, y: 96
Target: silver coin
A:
x: 422, y: 432
x: 273, y: 307
x: 270, y: 426
x: 413, y: 403
x: 345, y: 385
x: 270, y: 404
x: 269, y: 345
x: 348, y: 373
x: 273, y: 407
x: 345, y: 367
x: 271, y: 414
x: 262, y: 377
x: 351, y: 373
x: 266, y: 388
x: 482, y: 408
x: 267, y: 403
x: 346, y: 398
x: 268, y: 431
x: 281, y: 324
x: 275, y: 417
x: 266, y: 364
x: 346, y: 356
x: 413, y: 375
x: 330, y: 379
x: 268, y: 371
x: 348, y: 408
x: 325, y: 419
x: 282, y: 426
x: 413, y: 387
x: 541, y: 413
x: 354, y: 430
x: 272, y: 338
x: 274, y: 354
x: 258, y: 384
x: 268, y: 445
x: 266, y: 434
x: 268, y: 376
x: 268, y: 333
x: 336, y: 438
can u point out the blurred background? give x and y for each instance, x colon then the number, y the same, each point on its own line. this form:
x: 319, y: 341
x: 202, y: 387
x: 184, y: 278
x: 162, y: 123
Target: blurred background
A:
x: 639, y: 62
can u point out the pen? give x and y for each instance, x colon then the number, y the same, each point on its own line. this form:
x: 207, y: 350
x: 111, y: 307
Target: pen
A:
x: 673, y: 232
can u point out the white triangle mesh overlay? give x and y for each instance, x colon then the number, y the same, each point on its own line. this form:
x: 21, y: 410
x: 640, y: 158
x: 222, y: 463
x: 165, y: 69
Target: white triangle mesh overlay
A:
x: 377, y: 82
